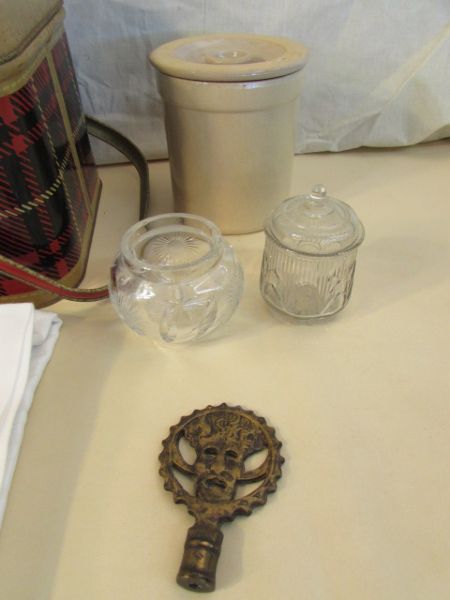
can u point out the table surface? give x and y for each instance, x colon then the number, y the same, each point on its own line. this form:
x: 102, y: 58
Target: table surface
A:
x: 360, y: 402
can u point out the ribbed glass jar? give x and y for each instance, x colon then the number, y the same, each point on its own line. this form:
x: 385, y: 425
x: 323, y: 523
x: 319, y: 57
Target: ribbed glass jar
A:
x: 310, y: 255
x: 175, y: 279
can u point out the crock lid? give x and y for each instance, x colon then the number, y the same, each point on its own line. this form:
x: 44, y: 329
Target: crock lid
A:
x: 315, y: 224
x: 21, y: 21
x: 229, y: 57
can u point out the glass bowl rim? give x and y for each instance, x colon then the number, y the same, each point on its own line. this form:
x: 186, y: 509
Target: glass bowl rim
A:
x: 133, y: 260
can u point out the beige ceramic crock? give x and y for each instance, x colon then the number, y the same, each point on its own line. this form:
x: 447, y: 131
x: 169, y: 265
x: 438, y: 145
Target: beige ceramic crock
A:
x: 229, y: 104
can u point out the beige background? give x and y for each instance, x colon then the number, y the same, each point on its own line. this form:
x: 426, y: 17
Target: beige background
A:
x: 360, y: 402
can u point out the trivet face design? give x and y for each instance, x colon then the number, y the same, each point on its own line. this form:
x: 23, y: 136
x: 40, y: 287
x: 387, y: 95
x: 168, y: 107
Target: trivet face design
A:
x: 223, y: 438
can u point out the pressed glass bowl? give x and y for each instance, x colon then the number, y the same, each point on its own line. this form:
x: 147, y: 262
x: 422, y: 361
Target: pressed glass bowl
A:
x: 176, y: 279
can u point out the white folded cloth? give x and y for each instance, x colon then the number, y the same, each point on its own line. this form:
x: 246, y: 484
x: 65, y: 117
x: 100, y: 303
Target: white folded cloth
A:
x: 27, y: 339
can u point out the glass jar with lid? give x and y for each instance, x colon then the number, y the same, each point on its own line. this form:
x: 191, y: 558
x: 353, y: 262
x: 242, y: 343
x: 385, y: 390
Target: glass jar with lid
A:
x: 310, y: 254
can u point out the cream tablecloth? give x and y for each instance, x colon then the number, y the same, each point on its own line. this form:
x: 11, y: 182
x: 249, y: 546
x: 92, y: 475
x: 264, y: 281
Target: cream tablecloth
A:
x: 361, y: 403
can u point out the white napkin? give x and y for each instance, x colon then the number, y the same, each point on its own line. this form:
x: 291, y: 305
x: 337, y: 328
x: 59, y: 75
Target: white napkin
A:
x: 27, y: 339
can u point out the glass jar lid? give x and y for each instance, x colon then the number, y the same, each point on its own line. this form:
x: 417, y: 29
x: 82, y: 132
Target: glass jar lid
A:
x: 315, y: 224
x: 229, y: 57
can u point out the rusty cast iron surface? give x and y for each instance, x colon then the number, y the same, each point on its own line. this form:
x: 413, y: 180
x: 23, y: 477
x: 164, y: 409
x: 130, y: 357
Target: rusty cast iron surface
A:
x: 223, y: 437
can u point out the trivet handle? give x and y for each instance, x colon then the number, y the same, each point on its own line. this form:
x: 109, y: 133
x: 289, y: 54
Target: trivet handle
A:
x: 201, y: 554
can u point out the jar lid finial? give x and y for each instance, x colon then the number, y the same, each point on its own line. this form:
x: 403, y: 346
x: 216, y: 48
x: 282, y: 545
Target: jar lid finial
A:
x: 319, y: 191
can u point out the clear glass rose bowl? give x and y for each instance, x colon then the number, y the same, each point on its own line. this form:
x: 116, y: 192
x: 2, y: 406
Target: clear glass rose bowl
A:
x: 175, y: 279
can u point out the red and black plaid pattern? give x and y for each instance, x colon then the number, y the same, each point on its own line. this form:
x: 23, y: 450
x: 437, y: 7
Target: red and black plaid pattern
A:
x: 67, y: 80
x: 43, y: 213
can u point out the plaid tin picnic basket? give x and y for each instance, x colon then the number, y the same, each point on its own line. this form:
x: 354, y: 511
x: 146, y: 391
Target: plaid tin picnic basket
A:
x: 49, y: 185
